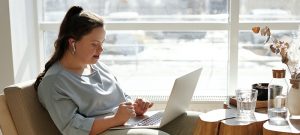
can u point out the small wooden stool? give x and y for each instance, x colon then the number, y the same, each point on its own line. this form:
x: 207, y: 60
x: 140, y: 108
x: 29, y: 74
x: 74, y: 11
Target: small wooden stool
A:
x: 223, y: 122
x: 292, y: 129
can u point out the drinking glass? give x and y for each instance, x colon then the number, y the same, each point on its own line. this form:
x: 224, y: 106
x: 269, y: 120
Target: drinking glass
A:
x: 246, y: 102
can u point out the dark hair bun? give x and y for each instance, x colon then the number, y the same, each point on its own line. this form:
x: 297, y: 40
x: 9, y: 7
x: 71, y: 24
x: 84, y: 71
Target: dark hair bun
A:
x: 74, y: 10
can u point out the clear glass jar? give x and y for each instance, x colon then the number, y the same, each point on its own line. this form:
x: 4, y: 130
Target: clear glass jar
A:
x: 277, y: 98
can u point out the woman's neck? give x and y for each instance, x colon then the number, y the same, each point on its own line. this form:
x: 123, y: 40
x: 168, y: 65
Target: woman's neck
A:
x: 69, y: 62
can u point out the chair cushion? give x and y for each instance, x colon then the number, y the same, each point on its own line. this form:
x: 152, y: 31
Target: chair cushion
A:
x: 29, y: 116
x: 6, y: 122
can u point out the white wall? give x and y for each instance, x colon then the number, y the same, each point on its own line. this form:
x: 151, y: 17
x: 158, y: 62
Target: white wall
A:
x: 19, y: 57
x: 6, y: 62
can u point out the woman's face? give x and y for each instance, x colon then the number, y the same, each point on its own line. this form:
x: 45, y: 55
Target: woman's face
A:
x: 89, y: 48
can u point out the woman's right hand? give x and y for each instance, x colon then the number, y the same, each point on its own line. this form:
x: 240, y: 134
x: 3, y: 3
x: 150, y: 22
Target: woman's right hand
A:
x: 125, y: 112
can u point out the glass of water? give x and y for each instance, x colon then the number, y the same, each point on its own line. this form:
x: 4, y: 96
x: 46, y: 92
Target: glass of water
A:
x: 246, y: 102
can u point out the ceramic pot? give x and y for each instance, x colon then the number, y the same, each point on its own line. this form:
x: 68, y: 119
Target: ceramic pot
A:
x: 294, y: 97
x: 262, y: 89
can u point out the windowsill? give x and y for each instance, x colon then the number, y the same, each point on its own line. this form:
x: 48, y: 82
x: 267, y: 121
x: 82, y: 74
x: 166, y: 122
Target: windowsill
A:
x: 195, y: 99
x: 201, y: 106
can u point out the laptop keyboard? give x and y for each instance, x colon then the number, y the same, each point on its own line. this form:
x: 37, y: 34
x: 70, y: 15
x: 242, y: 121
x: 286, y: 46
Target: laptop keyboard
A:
x: 154, y: 119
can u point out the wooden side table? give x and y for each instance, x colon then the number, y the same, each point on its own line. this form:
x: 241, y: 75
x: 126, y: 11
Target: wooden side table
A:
x: 223, y: 122
x: 292, y: 129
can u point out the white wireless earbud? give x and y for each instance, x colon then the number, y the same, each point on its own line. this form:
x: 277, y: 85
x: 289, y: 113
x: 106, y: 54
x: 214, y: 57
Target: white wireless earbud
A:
x: 74, y: 48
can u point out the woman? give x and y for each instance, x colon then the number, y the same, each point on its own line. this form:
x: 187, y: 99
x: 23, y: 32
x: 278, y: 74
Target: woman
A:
x: 80, y: 93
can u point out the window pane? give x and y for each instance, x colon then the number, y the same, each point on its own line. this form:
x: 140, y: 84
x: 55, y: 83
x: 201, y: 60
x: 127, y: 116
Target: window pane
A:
x: 269, y: 10
x: 143, y: 10
x: 49, y: 39
x: 148, y: 62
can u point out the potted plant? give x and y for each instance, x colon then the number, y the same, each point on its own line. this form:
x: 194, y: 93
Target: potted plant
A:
x: 290, y: 55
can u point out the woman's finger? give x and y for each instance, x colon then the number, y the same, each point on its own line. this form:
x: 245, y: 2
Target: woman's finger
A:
x: 128, y: 103
x: 146, y: 106
x: 151, y: 104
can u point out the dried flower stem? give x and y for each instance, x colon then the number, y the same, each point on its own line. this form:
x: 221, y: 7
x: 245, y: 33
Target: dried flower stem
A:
x: 276, y: 46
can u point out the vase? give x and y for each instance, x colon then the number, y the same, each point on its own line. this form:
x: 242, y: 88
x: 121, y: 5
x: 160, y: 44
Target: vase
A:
x: 294, y: 98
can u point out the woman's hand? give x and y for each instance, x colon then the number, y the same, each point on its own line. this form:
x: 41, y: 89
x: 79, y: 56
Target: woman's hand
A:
x: 125, y: 111
x: 141, y: 106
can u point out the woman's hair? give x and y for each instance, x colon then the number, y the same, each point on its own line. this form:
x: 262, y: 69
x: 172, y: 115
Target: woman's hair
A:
x: 75, y: 24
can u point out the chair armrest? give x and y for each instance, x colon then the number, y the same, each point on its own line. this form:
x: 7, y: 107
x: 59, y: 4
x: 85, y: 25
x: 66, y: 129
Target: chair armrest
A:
x: 6, y: 122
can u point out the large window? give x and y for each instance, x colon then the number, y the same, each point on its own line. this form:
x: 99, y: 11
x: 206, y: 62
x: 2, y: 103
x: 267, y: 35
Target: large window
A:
x: 151, y: 43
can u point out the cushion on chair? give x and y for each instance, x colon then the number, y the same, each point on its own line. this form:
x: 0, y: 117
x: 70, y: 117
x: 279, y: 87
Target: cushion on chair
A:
x: 28, y: 114
x: 6, y: 122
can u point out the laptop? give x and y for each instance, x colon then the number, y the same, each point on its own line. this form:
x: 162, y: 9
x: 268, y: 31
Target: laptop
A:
x: 179, y: 100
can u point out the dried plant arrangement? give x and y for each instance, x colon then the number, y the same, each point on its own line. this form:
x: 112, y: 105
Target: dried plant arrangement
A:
x: 289, y: 56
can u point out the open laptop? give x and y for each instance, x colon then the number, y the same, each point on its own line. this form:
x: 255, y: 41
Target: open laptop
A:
x: 179, y: 100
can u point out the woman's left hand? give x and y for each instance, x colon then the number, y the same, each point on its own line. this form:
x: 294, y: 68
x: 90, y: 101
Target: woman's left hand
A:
x: 141, y: 106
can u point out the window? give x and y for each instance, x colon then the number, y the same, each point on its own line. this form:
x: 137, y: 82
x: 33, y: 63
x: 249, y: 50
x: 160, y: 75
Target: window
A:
x: 151, y: 43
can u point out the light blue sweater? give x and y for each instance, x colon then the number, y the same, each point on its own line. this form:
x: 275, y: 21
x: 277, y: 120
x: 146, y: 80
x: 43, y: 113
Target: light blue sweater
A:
x: 73, y: 101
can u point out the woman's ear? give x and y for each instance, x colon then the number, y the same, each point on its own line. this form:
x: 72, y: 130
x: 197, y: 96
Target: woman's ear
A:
x: 71, y: 44
x: 71, y: 41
